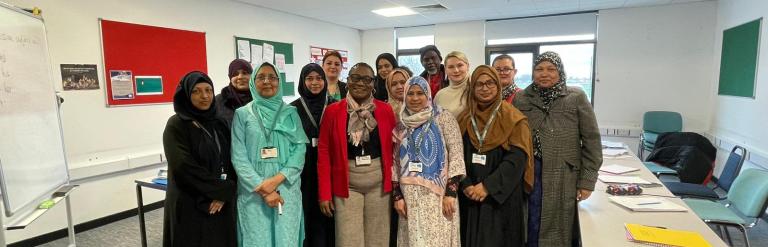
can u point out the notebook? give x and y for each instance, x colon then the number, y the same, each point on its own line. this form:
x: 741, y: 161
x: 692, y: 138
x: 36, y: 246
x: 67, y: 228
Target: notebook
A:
x: 647, y: 204
x: 617, y: 169
x: 622, y: 179
x: 657, y: 236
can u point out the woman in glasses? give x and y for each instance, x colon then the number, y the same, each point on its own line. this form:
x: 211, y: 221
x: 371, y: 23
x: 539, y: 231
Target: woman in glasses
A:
x: 314, y: 99
x: 497, y: 153
x: 355, y: 172
x: 268, y: 146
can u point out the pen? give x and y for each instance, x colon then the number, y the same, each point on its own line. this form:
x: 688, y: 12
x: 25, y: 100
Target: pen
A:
x: 648, y: 203
x: 280, y: 208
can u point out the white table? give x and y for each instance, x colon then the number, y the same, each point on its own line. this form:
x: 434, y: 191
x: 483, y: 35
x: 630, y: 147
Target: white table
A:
x: 602, y: 221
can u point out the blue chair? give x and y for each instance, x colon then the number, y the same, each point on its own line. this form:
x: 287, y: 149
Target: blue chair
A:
x: 729, y: 174
x: 655, y: 123
x: 744, y: 206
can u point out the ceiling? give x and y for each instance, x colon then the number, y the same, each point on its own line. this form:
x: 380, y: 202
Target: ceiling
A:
x: 357, y: 13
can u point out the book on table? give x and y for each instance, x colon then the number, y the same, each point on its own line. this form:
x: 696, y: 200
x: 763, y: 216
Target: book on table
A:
x: 660, y: 236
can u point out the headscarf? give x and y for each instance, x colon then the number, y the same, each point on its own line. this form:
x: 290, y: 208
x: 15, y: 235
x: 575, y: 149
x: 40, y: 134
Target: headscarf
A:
x: 548, y: 95
x: 509, y: 90
x: 453, y: 97
x: 396, y: 104
x: 315, y: 102
x: 508, y: 129
x: 232, y: 98
x: 421, y: 140
x: 361, y: 120
x: 182, y: 99
x: 266, y: 109
x: 380, y: 85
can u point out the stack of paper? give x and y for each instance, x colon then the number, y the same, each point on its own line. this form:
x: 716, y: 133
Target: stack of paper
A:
x: 610, y: 144
x: 647, y: 204
x: 613, y: 152
x: 617, y: 169
x: 622, y: 179
x: 664, y: 237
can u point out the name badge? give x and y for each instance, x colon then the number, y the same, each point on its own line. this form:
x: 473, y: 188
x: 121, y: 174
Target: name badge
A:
x: 223, y: 176
x: 364, y: 160
x: 478, y: 159
x: 415, y: 166
x: 268, y: 152
x: 314, y: 142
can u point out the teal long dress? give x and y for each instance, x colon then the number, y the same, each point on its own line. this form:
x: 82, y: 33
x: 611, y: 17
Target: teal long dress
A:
x: 259, y: 224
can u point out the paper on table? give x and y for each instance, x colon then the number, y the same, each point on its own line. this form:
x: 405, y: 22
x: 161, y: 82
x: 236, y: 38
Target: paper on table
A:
x: 647, y: 204
x: 244, y: 50
x: 622, y: 179
x: 256, y: 56
x: 610, y: 144
x: 280, y: 62
x: 657, y: 236
x: 614, y: 152
x: 618, y: 169
x: 269, y: 53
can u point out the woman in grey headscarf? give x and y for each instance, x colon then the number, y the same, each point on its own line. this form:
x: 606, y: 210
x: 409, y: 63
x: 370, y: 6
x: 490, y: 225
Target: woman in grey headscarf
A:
x: 567, y: 152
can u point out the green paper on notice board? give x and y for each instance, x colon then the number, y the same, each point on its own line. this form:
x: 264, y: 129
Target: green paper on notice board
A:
x: 149, y: 85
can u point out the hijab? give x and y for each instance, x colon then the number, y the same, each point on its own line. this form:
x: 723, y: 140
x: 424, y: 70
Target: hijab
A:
x: 273, y: 109
x: 232, y: 98
x: 453, y: 97
x: 421, y: 140
x: 361, y: 120
x: 182, y: 99
x: 548, y: 95
x: 509, y: 127
x: 380, y: 86
x: 396, y: 104
x: 315, y: 102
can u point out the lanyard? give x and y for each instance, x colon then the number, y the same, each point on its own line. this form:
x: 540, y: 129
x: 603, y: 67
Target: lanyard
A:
x: 419, y: 137
x: 215, y: 138
x: 481, y: 138
x: 311, y: 118
x: 268, y: 134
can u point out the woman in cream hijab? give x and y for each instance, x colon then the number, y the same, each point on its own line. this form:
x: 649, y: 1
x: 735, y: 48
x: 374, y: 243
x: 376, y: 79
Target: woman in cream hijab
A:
x: 453, y: 97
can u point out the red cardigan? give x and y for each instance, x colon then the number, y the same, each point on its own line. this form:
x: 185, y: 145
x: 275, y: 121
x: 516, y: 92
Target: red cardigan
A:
x: 332, y: 161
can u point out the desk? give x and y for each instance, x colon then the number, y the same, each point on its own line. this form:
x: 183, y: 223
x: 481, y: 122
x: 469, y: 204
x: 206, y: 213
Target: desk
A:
x: 146, y: 182
x: 602, y: 221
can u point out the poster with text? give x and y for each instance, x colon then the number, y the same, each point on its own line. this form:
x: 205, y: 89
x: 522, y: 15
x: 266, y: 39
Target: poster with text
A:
x: 122, y: 84
x: 316, y: 56
x: 79, y: 77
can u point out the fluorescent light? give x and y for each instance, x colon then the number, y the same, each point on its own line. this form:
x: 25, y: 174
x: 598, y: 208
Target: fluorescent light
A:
x: 396, y: 11
x: 541, y: 39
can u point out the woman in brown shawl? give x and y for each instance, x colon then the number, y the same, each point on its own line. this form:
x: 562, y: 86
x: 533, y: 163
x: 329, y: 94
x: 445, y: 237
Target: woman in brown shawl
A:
x: 498, y: 157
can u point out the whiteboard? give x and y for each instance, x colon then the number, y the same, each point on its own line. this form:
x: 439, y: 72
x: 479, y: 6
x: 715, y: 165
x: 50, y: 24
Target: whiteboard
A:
x: 32, y: 158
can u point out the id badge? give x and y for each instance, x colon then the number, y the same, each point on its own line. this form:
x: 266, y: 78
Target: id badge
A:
x: 223, y: 176
x: 314, y: 142
x: 364, y: 160
x: 415, y: 166
x: 478, y: 159
x: 268, y: 152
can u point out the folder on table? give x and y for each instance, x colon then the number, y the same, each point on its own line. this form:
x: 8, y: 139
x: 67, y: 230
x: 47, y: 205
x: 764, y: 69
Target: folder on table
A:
x: 656, y: 236
x: 647, y: 204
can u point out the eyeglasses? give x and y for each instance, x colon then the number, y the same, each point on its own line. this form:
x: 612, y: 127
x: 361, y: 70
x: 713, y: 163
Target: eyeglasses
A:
x: 504, y: 70
x: 490, y: 84
x: 360, y: 79
x: 266, y: 79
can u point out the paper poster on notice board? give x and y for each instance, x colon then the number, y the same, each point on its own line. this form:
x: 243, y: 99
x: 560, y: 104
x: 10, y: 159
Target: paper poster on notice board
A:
x: 316, y: 56
x: 149, y: 85
x: 122, y: 84
x: 79, y: 77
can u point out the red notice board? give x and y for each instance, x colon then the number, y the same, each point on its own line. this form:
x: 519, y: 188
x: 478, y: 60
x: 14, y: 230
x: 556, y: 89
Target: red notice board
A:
x: 148, y: 52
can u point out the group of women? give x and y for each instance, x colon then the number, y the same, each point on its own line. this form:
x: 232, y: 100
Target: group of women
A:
x: 463, y: 166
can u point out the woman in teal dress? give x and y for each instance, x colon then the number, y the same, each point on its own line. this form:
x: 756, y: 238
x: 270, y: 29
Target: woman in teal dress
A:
x: 268, y: 146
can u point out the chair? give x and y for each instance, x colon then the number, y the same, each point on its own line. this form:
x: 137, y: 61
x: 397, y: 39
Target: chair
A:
x: 730, y: 172
x: 655, y: 123
x: 745, y: 205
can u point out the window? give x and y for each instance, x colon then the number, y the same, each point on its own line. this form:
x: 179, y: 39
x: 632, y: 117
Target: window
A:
x: 409, y: 40
x: 574, y: 41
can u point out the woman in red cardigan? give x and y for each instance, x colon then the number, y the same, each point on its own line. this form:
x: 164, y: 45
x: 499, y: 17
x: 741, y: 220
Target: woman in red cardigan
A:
x: 354, y: 164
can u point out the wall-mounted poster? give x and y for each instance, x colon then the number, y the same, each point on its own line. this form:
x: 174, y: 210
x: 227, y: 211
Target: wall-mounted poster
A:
x: 149, y: 85
x: 122, y: 84
x: 279, y: 54
x: 316, y: 56
x: 79, y: 77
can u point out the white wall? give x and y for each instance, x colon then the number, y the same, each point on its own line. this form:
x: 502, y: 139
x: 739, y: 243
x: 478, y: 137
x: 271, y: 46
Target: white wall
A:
x: 742, y: 120
x: 375, y: 42
x: 95, y: 134
x: 655, y: 58
x: 467, y: 37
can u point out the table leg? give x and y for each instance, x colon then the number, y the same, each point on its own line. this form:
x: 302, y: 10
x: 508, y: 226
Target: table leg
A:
x: 140, y: 208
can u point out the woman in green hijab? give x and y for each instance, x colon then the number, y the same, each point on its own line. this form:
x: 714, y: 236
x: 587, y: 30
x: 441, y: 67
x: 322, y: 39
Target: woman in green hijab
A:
x: 268, y: 146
